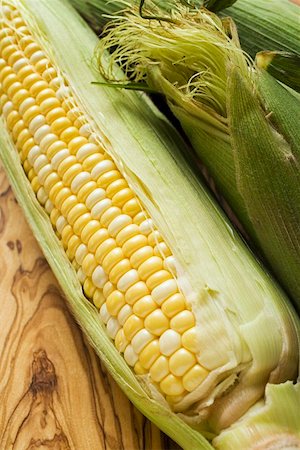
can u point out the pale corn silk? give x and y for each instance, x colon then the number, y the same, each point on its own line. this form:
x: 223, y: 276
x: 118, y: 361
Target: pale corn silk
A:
x: 121, y: 259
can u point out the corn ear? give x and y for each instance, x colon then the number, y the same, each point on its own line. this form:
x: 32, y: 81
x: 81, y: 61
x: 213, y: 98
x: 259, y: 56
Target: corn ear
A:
x: 249, y: 335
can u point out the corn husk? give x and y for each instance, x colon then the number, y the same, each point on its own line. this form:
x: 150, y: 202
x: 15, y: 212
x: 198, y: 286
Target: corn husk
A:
x: 249, y: 333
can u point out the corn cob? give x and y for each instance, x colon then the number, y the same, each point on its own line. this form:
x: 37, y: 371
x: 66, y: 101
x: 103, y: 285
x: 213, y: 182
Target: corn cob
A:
x: 162, y: 315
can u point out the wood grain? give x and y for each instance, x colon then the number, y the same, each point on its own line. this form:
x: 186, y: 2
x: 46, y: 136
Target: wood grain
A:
x: 54, y: 393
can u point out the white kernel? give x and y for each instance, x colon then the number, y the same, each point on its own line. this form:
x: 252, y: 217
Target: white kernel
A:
x: 102, y: 167
x: 94, y: 138
x: 73, y: 114
x: 40, y: 162
x: 112, y: 327
x: 79, y: 180
x: 81, y: 275
x: 27, y: 103
x: 85, y: 130
x: 146, y: 226
x: 85, y: 151
x: 44, y: 172
x: 81, y: 252
x: 104, y: 314
x: 34, y: 152
x: 164, y: 291
x: 49, y: 206
x: 60, y: 224
x: 41, y: 133
x: 130, y: 356
x: 59, y: 157
x: 7, y: 108
x: 99, y: 277
x: 94, y: 197
x: 141, y: 339
x: 169, y: 342
x: 36, y: 123
x: 170, y: 264
x: 128, y: 279
x: 47, y: 140
x: 62, y: 93
x: 37, y: 56
x: 124, y: 313
x: 118, y: 223
x: 42, y: 196
x: 100, y: 207
x: 56, y: 83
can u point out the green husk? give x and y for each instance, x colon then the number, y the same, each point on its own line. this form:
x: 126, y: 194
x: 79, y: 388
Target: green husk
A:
x: 270, y: 27
x: 193, y: 62
x: 248, y: 331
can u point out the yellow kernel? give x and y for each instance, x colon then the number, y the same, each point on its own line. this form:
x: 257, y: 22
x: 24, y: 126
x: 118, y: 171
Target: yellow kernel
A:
x: 85, y: 190
x: 54, y: 148
x: 171, y: 385
x: 108, y: 288
x: 89, y: 229
x: 160, y: 369
x: 23, y: 137
x: 90, y: 162
x: 110, y: 214
x: 114, y: 302
x: 73, y: 244
x: 131, y: 207
x: 51, y: 180
x: 121, y: 197
x: 45, y: 94
x: 9, y: 80
x: 68, y: 134
x: 89, y: 263
x: 12, y: 118
x: 66, y: 234
x: 78, y: 210
x: 116, y: 186
x: 133, y: 244
x: 141, y: 255
x: 156, y: 322
x: 48, y: 104
x: 119, y: 270
x: 66, y: 164
x: 173, y: 305
x: 61, y: 196
x: 54, y: 215
x: 138, y: 369
x: 150, y: 266
x: 108, y: 177
x: 132, y: 325
x: 76, y: 143
x: 71, y: 173
x: 154, y: 238
x: 35, y: 184
x: 181, y: 361
x: 60, y: 124
x: 157, y: 278
x: 104, y: 248
x: 182, y: 321
x: 139, y: 218
x: 144, y: 306
x: 96, y: 239
x: 120, y: 341
x: 126, y: 233
x: 98, y: 298
x: 149, y: 354
x: 135, y: 292
x: 81, y: 222
x: 190, y: 341
x: 28, y: 146
x: 89, y: 288
x: 20, y: 96
x: 54, y: 114
x: 37, y: 87
x: 194, y: 377
x: 55, y: 190
x: 112, y: 258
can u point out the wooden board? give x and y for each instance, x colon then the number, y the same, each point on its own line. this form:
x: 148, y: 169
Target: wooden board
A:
x: 54, y: 393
